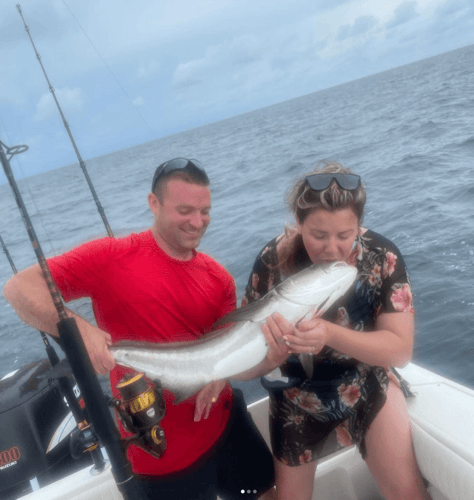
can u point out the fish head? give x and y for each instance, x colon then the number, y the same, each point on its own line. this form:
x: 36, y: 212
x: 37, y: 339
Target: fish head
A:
x: 319, y: 284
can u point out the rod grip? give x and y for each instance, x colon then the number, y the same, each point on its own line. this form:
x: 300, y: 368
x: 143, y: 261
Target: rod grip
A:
x: 91, y: 391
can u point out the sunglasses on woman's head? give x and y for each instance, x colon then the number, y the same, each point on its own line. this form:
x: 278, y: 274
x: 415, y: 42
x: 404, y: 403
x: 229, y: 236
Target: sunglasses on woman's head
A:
x: 319, y: 182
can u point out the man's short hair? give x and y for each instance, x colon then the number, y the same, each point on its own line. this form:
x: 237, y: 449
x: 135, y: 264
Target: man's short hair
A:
x: 188, y: 170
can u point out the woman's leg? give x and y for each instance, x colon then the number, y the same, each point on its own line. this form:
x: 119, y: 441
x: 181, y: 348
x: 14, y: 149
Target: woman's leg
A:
x: 294, y: 483
x: 390, y: 454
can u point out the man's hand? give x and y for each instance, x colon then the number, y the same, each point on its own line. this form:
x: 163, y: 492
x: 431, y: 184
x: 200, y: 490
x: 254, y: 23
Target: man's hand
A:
x: 97, y: 343
x: 206, y: 397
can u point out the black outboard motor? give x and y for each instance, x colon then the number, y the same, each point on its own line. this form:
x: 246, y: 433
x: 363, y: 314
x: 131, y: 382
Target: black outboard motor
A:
x: 32, y: 417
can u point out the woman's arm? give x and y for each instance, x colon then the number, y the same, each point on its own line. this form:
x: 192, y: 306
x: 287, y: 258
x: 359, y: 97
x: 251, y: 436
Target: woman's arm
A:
x: 391, y: 344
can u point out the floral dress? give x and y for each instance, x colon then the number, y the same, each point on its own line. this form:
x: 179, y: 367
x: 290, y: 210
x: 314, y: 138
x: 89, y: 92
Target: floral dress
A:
x: 336, y: 392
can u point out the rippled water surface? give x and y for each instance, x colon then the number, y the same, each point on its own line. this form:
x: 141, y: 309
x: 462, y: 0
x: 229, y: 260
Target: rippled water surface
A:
x: 409, y: 132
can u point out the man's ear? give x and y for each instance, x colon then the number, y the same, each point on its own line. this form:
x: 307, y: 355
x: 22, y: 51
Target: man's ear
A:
x: 154, y: 203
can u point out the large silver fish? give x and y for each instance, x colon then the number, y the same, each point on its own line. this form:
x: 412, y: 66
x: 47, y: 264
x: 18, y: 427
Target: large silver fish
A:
x: 185, y: 367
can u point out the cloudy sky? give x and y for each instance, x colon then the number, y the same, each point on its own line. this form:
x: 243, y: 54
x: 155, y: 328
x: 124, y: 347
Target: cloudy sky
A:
x: 129, y: 72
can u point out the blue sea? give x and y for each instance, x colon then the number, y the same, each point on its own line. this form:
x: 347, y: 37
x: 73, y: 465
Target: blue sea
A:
x: 409, y: 132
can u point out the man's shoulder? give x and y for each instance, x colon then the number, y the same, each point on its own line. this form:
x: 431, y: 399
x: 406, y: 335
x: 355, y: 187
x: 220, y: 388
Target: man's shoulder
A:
x: 107, y: 245
x: 133, y: 240
x: 212, y: 265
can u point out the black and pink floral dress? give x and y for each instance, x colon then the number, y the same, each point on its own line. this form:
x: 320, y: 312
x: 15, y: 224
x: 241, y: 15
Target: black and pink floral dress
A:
x: 342, y: 394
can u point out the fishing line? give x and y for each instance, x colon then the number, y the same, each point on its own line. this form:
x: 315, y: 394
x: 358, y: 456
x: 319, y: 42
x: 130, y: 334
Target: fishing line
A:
x: 38, y: 213
x: 68, y: 130
x: 111, y: 72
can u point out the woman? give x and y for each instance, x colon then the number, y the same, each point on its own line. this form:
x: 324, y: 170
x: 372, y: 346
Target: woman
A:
x: 337, y: 364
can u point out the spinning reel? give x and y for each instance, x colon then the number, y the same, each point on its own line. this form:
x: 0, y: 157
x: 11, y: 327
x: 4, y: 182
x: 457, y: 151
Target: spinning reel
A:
x: 140, y: 408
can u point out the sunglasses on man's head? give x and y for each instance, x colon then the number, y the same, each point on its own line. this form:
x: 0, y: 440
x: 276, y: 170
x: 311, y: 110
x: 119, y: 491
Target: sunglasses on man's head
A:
x: 177, y: 164
x: 319, y: 182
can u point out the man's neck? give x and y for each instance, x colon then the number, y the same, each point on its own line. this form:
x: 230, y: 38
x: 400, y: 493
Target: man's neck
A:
x: 168, y: 249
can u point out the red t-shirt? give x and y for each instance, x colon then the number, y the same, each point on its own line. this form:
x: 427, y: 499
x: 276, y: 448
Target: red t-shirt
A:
x: 140, y: 293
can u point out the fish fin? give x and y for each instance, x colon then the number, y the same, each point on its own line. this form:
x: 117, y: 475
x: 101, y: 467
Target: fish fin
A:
x: 306, y: 361
x: 246, y: 313
x: 276, y: 376
x: 62, y: 369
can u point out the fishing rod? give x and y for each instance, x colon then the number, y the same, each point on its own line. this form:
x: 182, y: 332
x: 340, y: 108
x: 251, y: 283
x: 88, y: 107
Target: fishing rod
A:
x: 68, y: 130
x: 66, y: 389
x: 7, y: 253
x: 52, y: 355
x: 77, y: 355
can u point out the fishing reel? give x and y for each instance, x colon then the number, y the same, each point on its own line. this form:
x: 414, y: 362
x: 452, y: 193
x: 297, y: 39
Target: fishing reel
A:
x: 140, y: 408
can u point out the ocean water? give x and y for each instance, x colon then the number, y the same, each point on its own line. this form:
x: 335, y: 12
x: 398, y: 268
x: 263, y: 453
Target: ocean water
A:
x: 409, y: 132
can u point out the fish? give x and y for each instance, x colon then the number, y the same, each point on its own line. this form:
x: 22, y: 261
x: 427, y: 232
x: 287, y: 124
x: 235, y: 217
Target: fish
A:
x: 185, y: 367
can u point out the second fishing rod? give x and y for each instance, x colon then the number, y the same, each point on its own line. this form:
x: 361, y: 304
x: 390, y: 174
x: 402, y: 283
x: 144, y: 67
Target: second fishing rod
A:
x: 68, y: 130
x: 67, y: 390
x: 77, y: 355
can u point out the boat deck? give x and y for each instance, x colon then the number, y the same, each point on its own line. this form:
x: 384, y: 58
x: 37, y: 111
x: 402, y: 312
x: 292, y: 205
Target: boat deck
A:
x: 441, y: 415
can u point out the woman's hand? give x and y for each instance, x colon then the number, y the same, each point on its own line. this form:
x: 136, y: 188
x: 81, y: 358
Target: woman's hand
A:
x: 309, y: 337
x: 274, y: 329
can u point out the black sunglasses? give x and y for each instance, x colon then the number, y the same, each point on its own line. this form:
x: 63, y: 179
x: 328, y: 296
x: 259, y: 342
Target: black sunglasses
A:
x: 192, y: 166
x: 318, y: 182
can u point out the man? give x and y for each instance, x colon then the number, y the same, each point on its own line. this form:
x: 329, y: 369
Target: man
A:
x: 155, y: 286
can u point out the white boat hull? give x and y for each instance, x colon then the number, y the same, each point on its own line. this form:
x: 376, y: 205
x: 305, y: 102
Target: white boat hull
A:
x: 442, y: 418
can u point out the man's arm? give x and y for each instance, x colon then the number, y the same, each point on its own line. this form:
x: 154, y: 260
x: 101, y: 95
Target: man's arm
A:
x: 28, y: 294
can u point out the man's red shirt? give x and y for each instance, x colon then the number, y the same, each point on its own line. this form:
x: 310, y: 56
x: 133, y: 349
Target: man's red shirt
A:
x: 140, y: 293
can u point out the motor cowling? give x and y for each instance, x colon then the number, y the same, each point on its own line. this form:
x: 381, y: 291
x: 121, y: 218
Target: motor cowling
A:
x: 32, y: 444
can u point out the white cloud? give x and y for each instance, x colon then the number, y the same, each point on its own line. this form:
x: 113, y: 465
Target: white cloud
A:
x: 147, y: 70
x: 230, y: 55
x: 139, y: 101
x: 361, y: 26
x: 404, y: 12
x: 260, y: 68
x: 70, y: 99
